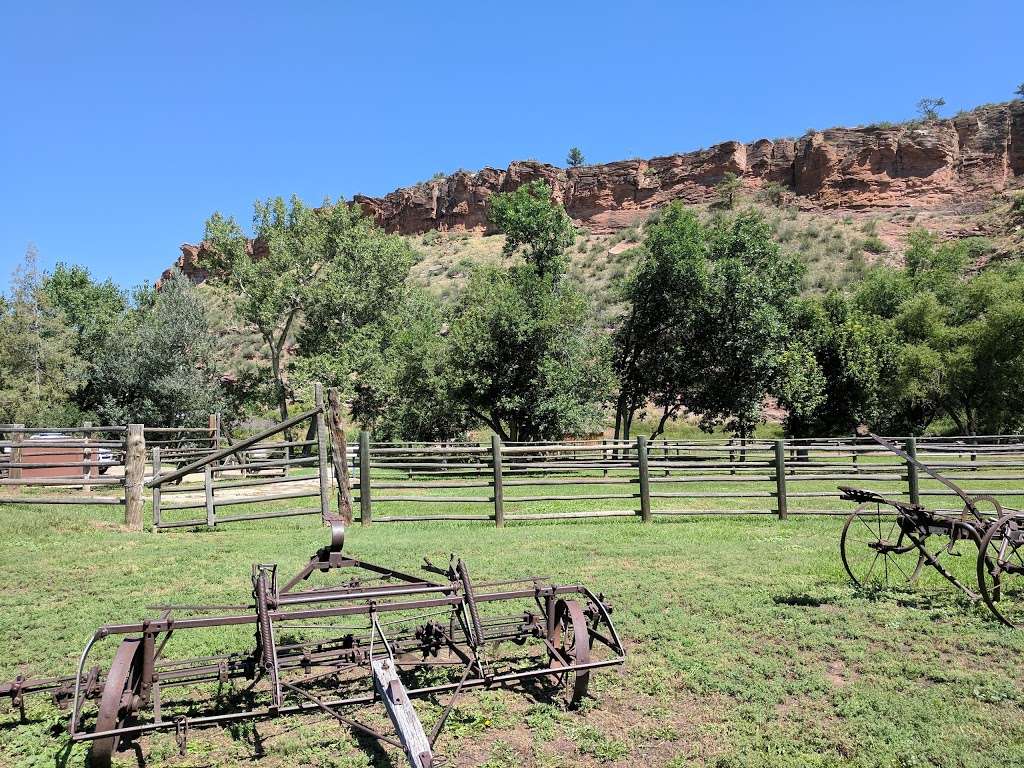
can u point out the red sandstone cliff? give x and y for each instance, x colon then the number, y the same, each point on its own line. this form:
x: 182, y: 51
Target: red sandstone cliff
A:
x: 968, y: 158
x: 911, y: 165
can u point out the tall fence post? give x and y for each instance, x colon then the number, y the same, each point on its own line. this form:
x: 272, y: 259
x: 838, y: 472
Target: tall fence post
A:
x: 645, y: 479
x: 88, y: 470
x: 211, y: 510
x: 156, y: 488
x: 321, y: 447
x: 499, y: 494
x: 913, y: 478
x: 134, y: 472
x: 780, y: 478
x: 365, y: 507
x: 214, y: 427
x: 16, y: 439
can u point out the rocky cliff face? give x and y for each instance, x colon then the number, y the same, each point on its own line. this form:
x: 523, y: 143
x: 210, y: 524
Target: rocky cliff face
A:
x: 912, y: 165
x: 944, y: 163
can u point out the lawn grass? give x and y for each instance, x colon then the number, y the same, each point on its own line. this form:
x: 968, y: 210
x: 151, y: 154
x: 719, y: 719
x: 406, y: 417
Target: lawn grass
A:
x: 747, y: 646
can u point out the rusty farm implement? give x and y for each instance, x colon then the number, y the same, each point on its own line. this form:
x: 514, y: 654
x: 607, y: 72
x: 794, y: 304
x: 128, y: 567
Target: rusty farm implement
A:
x: 887, y: 542
x: 338, y: 635
x: 361, y: 634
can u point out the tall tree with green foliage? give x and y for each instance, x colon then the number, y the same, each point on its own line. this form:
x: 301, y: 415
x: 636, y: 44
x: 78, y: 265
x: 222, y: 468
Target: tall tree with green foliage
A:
x: 401, y: 389
x: 157, y: 371
x: 523, y: 354
x: 39, y: 370
x: 706, y: 322
x: 746, y: 323
x: 349, y: 313
x: 657, y: 343
x: 92, y: 310
x: 836, y: 367
x: 297, y: 260
x: 535, y: 228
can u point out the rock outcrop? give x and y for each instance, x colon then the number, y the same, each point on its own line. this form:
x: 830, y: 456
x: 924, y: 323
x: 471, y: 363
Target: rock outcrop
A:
x: 956, y: 162
x: 911, y: 165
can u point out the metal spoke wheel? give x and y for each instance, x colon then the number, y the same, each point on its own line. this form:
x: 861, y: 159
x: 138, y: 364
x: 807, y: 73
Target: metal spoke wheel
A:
x: 569, y: 641
x: 1001, y: 569
x: 876, y: 551
x: 119, y: 700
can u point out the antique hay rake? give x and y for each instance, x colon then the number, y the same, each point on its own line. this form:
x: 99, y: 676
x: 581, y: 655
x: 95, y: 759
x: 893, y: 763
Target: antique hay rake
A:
x: 339, y: 634
x: 887, y: 542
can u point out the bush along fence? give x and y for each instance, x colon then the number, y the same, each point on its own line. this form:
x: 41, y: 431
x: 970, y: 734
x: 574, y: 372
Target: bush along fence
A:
x: 501, y: 482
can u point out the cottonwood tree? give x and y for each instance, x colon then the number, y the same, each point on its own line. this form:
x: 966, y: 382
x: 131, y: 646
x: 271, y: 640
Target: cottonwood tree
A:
x: 401, y: 390
x: 706, y: 322
x: 159, y: 371
x: 752, y: 286
x: 535, y: 229
x: 523, y: 355
x: 301, y: 263
x: 655, y: 345
x: 835, y: 368
x: 92, y: 311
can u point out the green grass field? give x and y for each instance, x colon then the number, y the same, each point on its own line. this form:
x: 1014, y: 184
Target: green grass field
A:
x: 747, y: 646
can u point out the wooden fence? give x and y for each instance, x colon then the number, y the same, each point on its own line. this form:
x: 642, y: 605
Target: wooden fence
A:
x: 88, y: 459
x: 504, y: 482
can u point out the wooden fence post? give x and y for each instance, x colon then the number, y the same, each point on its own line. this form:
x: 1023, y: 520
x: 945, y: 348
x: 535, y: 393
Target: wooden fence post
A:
x: 156, y: 488
x: 499, y: 494
x: 913, y: 478
x: 134, y: 472
x: 88, y: 472
x: 645, y: 479
x: 214, y: 427
x: 211, y: 510
x: 780, y: 478
x: 16, y: 438
x: 365, y: 508
x: 321, y: 447
x: 339, y: 455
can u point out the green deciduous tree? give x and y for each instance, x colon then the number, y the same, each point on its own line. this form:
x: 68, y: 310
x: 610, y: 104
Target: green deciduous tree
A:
x: 534, y: 227
x: 836, y: 367
x: 300, y: 261
x: 706, y: 321
x: 752, y: 288
x: 656, y: 349
x: 157, y: 369
x: 401, y: 389
x: 39, y: 370
x: 92, y: 310
x: 523, y: 355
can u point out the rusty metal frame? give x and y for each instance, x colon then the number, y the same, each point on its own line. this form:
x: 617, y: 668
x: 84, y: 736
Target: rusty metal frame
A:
x: 999, y: 538
x: 302, y: 661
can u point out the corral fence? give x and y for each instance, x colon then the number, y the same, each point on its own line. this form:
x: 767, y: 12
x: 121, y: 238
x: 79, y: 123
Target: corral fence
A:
x: 501, y: 482
x: 87, y: 459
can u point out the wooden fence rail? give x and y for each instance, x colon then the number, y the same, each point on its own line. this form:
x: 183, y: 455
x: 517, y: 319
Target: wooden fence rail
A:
x: 563, y: 480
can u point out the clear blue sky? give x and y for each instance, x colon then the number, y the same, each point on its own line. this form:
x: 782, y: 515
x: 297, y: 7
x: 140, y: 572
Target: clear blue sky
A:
x: 127, y: 123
